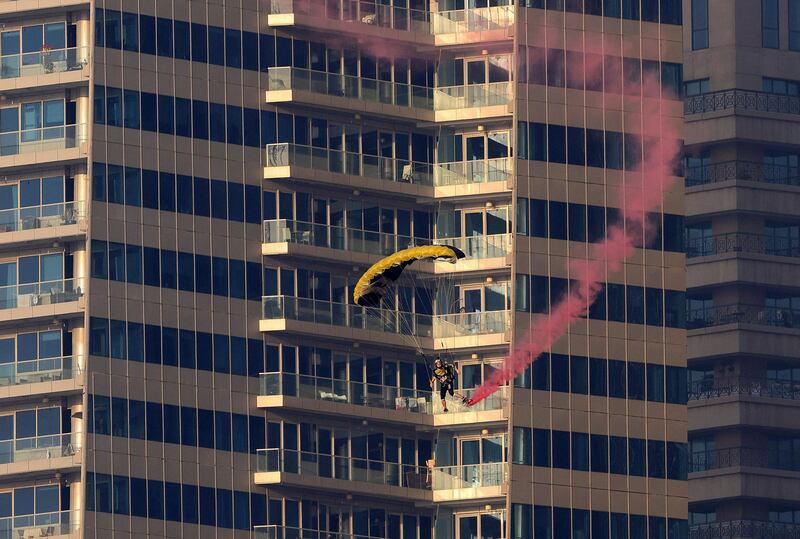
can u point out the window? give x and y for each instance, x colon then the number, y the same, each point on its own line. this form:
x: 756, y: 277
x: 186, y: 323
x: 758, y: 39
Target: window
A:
x: 700, y: 24
x: 770, y: 36
x: 779, y: 86
x: 794, y: 25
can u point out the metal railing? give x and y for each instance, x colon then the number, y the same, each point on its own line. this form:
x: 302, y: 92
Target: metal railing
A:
x: 489, y: 474
x: 398, y: 18
x: 742, y: 314
x: 48, y: 215
x: 741, y: 100
x: 472, y: 95
x: 751, y: 171
x: 42, y: 140
x: 355, y: 164
x: 43, y: 293
x: 479, y: 171
x: 472, y: 20
x: 754, y: 387
x: 274, y: 531
x: 364, y: 89
x: 38, y: 525
x: 385, y: 320
x: 377, y: 243
x: 743, y: 242
x: 743, y: 456
x: 38, y: 448
x: 372, y: 395
x: 39, y: 370
x: 744, y: 529
x: 344, y: 468
x: 43, y: 62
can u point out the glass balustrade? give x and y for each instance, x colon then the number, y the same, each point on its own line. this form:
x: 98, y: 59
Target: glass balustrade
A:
x: 38, y: 447
x: 43, y: 293
x: 273, y: 531
x: 48, y: 215
x: 377, y: 243
x: 363, y: 89
x: 39, y: 370
x: 488, y: 474
x: 39, y: 525
x: 372, y: 395
x: 43, y: 62
x: 383, y: 16
x: 480, y: 19
x: 472, y: 95
x: 354, y: 164
x: 466, y: 172
x: 389, y: 321
x: 342, y: 467
x: 46, y: 139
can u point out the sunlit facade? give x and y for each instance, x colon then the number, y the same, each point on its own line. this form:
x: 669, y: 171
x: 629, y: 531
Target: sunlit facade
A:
x: 189, y: 192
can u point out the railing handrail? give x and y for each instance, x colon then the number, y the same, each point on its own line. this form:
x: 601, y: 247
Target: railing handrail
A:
x: 74, y: 126
x: 743, y: 242
x: 44, y: 52
x: 740, y: 99
x: 742, y: 313
x: 742, y: 170
x: 42, y: 283
x: 279, y: 531
x: 745, y: 528
x: 744, y: 385
x: 346, y: 76
x: 460, y: 467
x: 475, y: 85
x: 727, y: 457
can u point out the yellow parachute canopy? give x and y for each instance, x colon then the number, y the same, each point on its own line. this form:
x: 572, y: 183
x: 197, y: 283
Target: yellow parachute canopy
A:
x: 372, y: 286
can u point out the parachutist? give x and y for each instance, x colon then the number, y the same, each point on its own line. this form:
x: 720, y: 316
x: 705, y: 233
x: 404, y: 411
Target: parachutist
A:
x: 445, y: 373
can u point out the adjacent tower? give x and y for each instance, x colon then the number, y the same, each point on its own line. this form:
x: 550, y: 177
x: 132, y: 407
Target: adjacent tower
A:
x: 193, y: 189
x: 742, y: 233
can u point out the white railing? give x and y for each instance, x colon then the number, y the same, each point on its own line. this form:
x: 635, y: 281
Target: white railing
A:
x: 388, y: 169
x: 43, y: 62
x: 42, y: 140
x: 45, y: 216
x: 39, y: 370
x: 472, y: 20
x: 472, y: 95
x: 38, y: 448
x: 479, y: 171
x: 490, y: 474
x: 43, y: 293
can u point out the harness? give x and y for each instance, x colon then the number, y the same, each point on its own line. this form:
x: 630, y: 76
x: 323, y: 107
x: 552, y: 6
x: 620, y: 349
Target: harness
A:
x: 444, y: 374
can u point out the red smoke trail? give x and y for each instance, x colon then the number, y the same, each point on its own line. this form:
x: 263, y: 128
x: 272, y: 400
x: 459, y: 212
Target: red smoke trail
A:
x: 644, y: 192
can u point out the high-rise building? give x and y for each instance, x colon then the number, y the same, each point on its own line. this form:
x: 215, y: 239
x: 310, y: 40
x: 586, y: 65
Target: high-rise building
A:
x: 743, y: 239
x: 193, y: 189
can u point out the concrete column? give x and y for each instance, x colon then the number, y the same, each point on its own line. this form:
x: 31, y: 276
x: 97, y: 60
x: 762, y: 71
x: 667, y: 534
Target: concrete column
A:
x: 83, y: 112
x: 82, y: 192
x: 83, y: 29
x: 75, y: 502
x: 78, y: 350
x: 80, y: 266
x: 76, y: 425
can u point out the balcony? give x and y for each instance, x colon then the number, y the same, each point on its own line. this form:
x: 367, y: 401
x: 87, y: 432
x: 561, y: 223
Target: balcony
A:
x: 743, y: 456
x: 486, y: 176
x: 38, y: 448
x: 53, y: 525
x: 752, y: 387
x: 742, y: 314
x: 316, y: 317
x: 45, y: 145
x: 41, y: 65
x: 484, y: 24
x: 743, y: 242
x: 389, y: 403
x: 470, y: 481
x: 51, y: 221
x: 275, y: 531
x: 342, y: 473
x: 744, y: 529
x: 349, y: 170
x: 363, y: 18
x: 474, y: 96
x: 741, y: 101
x: 284, y: 236
x: 742, y: 170
x: 291, y: 84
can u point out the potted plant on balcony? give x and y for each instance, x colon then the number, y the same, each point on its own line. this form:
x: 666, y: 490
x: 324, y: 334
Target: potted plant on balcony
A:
x: 47, y: 58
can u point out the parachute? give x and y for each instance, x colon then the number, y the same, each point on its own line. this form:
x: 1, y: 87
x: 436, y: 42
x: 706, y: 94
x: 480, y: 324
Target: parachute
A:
x: 372, y: 286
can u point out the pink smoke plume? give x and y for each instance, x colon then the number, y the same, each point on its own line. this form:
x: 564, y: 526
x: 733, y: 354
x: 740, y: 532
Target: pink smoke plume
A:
x: 643, y: 192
